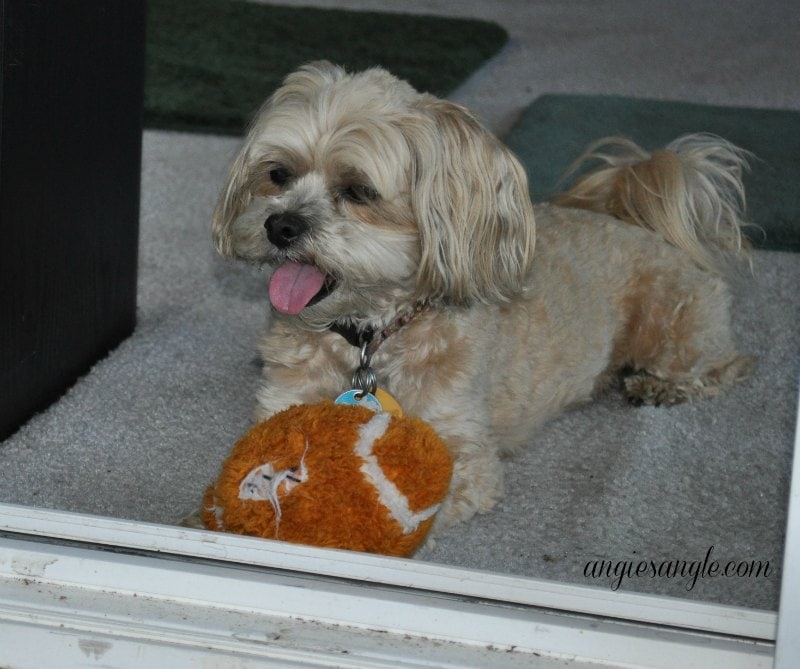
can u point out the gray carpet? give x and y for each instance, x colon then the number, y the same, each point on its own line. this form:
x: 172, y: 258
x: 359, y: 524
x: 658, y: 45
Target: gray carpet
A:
x: 141, y: 435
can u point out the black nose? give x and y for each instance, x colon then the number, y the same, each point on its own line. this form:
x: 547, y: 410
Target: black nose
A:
x: 283, y: 229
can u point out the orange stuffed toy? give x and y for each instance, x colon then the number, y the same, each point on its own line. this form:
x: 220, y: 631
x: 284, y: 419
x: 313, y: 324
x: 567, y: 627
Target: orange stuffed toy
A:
x: 334, y: 476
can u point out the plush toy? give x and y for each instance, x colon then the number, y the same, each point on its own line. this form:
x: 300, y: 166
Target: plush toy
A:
x: 335, y: 476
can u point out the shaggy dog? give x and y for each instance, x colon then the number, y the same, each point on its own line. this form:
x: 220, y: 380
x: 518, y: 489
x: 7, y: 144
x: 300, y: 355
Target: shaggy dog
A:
x: 402, y: 243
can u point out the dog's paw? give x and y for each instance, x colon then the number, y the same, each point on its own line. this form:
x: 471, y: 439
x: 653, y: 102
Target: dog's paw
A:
x: 645, y: 389
x: 477, y: 486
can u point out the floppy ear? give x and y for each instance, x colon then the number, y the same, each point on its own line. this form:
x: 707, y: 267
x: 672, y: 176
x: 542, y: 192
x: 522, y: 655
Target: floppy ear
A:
x: 471, y: 201
x: 232, y: 201
x: 295, y: 92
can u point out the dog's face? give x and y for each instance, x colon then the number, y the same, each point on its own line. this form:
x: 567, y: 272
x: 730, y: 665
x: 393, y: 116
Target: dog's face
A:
x: 365, y: 197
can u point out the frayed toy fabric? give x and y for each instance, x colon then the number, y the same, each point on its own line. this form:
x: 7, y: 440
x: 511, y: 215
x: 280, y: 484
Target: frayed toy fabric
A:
x: 333, y: 476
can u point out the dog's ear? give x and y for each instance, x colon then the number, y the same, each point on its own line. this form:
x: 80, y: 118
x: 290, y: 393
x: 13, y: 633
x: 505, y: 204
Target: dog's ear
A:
x: 232, y: 201
x: 471, y: 201
x: 296, y: 92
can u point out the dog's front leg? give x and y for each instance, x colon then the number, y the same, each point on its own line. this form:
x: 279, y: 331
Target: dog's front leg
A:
x: 301, y: 368
x: 477, y: 482
x: 274, y: 396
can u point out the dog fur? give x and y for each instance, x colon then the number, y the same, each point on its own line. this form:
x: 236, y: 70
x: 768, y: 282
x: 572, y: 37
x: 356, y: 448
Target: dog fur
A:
x: 400, y: 199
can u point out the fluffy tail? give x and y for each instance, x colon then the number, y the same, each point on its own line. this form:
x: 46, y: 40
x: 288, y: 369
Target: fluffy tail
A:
x: 691, y: 193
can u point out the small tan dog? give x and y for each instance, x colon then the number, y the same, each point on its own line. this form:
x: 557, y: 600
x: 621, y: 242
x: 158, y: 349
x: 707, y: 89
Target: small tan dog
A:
x: 393, y: 218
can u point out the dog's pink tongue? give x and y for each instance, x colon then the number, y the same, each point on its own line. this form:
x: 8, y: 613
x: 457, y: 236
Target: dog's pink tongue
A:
x: 293, y: 285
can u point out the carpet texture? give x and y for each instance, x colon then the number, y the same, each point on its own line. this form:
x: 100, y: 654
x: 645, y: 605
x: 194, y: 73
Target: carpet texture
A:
x: 555, y: 129
x: 211, y: 63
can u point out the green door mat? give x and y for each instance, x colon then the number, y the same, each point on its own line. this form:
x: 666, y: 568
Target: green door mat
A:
x: 555, y: 129
x: 211, y: 63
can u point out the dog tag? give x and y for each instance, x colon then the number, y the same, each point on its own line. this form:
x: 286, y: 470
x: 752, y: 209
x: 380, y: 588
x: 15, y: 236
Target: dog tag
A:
x: 389, y: 403
x: 360, y: 399
x: 380, y: 401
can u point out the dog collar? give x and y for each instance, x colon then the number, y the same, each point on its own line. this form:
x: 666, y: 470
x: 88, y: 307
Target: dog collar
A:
x: 368, y: 336
x: 351, y: 333
x: 364, y: 381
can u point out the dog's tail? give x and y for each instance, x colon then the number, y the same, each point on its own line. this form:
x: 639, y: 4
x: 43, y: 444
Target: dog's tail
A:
x: 691, y: 193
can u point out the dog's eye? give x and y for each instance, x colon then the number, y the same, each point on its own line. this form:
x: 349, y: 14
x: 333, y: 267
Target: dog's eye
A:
x: 359, y: 193
x: 279, y: 175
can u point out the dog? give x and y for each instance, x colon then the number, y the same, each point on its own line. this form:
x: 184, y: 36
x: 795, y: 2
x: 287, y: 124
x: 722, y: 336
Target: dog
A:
x: 396, y: 228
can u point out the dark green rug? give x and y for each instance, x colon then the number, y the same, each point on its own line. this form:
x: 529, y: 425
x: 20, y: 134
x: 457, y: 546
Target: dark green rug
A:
x: 211, y: 63
x: 555, y: 129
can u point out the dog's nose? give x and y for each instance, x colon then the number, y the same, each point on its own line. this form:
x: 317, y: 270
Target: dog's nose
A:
x: 283, y: 229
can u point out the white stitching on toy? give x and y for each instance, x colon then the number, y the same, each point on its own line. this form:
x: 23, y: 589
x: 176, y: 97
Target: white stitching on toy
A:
x: 395, y: 501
